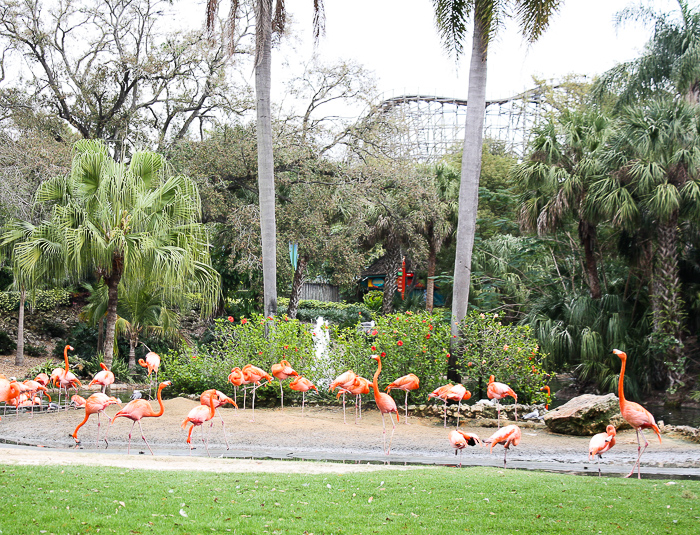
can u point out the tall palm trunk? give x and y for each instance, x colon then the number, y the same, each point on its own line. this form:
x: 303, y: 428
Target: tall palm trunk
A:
x: 587, y: 235
x: 297, y: 283
x: 469, y: 185
x: 19, y: 356
x: 392, y: 270
x: 112, y: 282
x: 667, y: 303
x: 266, y: 176
x: 133, y: 342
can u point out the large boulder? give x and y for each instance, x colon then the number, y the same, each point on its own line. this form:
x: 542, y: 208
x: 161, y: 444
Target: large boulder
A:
x: 586, y: 415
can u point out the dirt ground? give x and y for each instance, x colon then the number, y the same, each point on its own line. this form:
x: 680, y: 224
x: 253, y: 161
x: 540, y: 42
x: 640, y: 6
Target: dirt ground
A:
x: 320, y: 434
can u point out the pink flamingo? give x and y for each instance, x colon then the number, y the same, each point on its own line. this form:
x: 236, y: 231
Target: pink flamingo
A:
x: 253, y: 374
x: 405, y: 383
x: 601, y: 443
x: 198, y: 415
x: 103, y: 378
x: 508, y: 436
x: 303, y: 385
x: 358, y: 387
x: 385, y: 403
x: 219, y: 400
x: 343, y: 382
x: 136, y: 410
x: 152, y: 364
x: 498, y: 391
x: 236, y: 379
x: 460, y: 440
x: 442, y: 393
x: 96, y: 404
x: 64, y: 378
x: 282, y: 372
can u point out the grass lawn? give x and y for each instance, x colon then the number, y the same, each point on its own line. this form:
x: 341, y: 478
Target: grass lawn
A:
x: 76, y: 500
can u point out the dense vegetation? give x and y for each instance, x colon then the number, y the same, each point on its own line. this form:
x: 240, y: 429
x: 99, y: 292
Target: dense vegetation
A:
x: 588, y: 243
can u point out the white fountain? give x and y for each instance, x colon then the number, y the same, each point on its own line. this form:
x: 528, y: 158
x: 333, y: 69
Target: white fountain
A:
x: 322, y: 368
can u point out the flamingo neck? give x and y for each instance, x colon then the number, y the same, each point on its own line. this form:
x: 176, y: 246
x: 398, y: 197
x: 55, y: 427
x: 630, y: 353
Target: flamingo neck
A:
x: 375, y: 382
x: 621, y: 384
x: 65, y: 356
x: 160, y: 402
x: 212, y: 410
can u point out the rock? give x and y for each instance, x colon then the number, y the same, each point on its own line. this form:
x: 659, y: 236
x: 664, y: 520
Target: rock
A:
x: 586, y: 415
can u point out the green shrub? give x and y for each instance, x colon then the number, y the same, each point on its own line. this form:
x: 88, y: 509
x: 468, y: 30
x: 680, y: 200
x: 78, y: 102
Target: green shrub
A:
x: 34, y: 351
x: 373, y: 300
x: 7, y: 344
x: 43, y: 300
x: 45, y: 367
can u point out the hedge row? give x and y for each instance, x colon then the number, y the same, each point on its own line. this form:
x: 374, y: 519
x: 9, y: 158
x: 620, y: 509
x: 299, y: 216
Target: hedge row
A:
x: 38, y: 300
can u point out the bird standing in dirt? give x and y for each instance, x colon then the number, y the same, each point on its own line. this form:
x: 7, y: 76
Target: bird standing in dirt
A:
x: 358, y: 387
x: 283, y: 371
x: 64, y: 378
x: 136, y: 410
x: 236, y: 379
x: 344, y: 381
x: 636, y: 415
x: 498, y: 391
x: 253, y: 374
x: 152, y: 364
x: 601, y: 443
x: 405, y: 383
x: 96, y: 404
x: 508, y: 436
x: 442, y: 392
x: 103, y: 378
x: 460, y: 440
x: 200, y: 414
x: 219, y: 400
x: 303, y: 385
x: 385, y: 404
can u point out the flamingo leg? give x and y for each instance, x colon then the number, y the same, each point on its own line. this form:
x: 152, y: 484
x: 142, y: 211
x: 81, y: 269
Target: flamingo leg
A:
x: 498, y: 414
x: 640, y: 451
x: 245, y: 393
x: 344, y: 421
x: 281, y: 393
x: 445, y: 412
x: 405, y: 403
x: 97, y: 441
x: 255, y: 387
x: 223, y: 426
x: 383, y: 433
x: 128, y: 447
x: 505, y: 452
x: 143, y: 437
x: 459, y: 411
x: 206, y: 444
x: 393, y: 428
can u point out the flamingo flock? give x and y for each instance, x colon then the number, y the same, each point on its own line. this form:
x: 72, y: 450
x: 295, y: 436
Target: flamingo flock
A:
x: 29, y: 393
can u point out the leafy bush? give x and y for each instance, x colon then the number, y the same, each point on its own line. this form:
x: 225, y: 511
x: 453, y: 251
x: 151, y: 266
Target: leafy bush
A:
x: 42, y: 299
x: 510, y: 353
x: 34, y: 351
x: 45, y: 367
x: 373, y: 300
x: 7, y: 344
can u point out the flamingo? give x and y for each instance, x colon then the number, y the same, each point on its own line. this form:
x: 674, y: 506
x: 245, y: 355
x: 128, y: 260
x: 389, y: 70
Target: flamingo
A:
x: 458, y: 393
x: 303, y: 385
x: 220, y: 399
x: 385, y: 403
x: 64, y: 378
x: 236, y: 379
x: 549, y: 396
x: 460, y: 440
x: 508, y: 436
x: 442, y: 392
x: 103, y: 378
x: 358, y: 387
x: 96, y: 403
x: 152, y: 364
x: 42, y: 379
x: 137, y: 409
x: 200, y: 414
x: 636, y: 415
x: 283, y: 371
x: 498, y: 391
x: 34, y: 387
x: 9, y: 391
x: 77, y: 401
x: 343, y: 382
x: 405, y: 383
x: 601, y: 443
x: 253, y: 374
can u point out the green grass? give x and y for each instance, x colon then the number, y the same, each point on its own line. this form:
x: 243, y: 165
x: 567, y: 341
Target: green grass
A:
x: 79, y: 500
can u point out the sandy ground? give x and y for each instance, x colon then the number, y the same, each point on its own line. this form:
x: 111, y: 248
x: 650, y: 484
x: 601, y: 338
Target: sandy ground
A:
x: 319, y: 435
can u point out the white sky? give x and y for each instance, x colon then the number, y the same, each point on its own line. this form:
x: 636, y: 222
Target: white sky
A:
x: 397, y: 40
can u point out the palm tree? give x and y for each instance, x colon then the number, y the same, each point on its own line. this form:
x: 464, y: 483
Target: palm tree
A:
x: 669, y: 63
x: 656, y: 158
x: 113, y: 219
x: 556, y: 178
x: 451, y: 19
x: 268, y: 21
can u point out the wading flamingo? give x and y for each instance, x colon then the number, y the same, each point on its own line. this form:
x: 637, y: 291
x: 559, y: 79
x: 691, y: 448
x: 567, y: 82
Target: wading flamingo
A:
x: 636, y: 415
x: 385, y: 404
x: 601, y: 443
x: 220, y: 399
x: 31, y: 388
x: 137, y: 409
x: 200, y: 414
x: 96, y: 403
x: 103, y: 378
x: 236, y: 379
x: 9, y: 390
x: 253, y: 374
x: 458, y: 393
x: 77, y: 402
x: 152, y: 364
x: 405, y: 383
x: 343, y: 382
x: 303, y: 385
x: 358, y: 387
x: 42, y: 379
x: 64, y: 378
x: 460, y: 440
x: 282, y: 372
x: 508, y: 436
x: 498, y: 391
x: 442, y: 392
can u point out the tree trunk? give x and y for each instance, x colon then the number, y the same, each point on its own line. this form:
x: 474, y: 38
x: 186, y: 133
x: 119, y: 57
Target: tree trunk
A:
x: 469, y: 184
x: 587, y: 234
x: 100, y: 335
x: 297, y: 283
x: 430, y: 282
x: 19, y: 356
x: 133, y: 342
x: 392, y: 272
x: 112, y: 282
x: 266, y: 176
